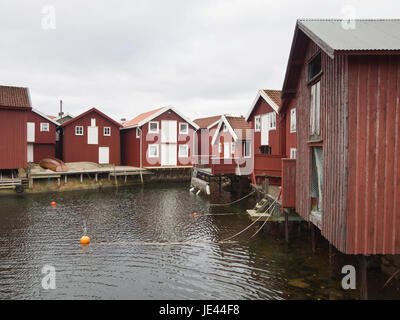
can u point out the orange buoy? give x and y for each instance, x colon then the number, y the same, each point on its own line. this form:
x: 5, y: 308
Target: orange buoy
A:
x: 195, y: 214
x: 53, y: 204
x: 85, y: 240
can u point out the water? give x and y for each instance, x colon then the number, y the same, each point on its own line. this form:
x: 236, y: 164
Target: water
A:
x: 121, y: 262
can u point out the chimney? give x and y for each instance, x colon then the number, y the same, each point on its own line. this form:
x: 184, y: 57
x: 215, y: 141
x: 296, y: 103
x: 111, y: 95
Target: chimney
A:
x: 123, y: 120
x: 61, y: 113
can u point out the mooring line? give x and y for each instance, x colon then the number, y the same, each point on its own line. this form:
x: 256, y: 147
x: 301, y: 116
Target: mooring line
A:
x: 183, y: 243
x: 228, y: 204
x: 262, y: 215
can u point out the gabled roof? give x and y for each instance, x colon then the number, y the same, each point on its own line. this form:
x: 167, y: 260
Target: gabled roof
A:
x: 15, y: 97
x: 45, y: 117
x: 237, y: 127
x: 272, y: 97
x: 338, y: 35
x: 67, y: 123
x: 143, y: 118
x: 205, y: 123
x: 65, y: 115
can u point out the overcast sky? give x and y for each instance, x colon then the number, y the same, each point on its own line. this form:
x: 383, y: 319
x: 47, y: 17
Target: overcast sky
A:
x: 205, y: 57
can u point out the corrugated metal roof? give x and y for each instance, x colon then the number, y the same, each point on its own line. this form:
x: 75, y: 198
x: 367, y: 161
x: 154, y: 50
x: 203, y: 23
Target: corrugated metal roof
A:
x: 367, y: 34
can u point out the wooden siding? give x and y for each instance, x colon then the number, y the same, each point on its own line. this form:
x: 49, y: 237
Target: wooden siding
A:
x: 333, y: 139
x: 288, y: 183
x: 374, y: 155
x: 75, y: 147
x: 13, y: 139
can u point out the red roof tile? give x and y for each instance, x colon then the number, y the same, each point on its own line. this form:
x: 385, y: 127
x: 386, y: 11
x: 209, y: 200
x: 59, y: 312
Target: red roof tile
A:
x: 135, y: 121
x: 275, y: 96
x: 203, y: 123
x: 15, y: 97
x: 240, y: 126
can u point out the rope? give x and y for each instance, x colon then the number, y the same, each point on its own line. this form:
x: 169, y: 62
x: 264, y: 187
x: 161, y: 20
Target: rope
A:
x: 262, y: 215
x: 228, y: 204
x: 184, y: 243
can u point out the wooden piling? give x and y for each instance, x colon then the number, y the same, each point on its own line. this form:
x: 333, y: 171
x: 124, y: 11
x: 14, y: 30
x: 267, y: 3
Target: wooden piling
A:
x: 313, y: 239
x: 363, y: 277
x: 286, y: 226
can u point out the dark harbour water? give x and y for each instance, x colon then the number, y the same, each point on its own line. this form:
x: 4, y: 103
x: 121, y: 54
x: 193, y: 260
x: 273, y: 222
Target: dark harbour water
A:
x: 120, y: 263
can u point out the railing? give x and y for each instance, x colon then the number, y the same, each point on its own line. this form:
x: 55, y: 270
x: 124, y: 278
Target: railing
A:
x: 270, y: 165
x: 288, y: 183
x: 220, y: 166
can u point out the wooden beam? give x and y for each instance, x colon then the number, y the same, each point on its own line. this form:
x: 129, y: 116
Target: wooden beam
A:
x: 363, y: 277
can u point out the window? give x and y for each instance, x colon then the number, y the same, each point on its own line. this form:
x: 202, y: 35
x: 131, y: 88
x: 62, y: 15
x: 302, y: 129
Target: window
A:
x: 137, y: 133
x: 183, y: 128
x: 247, y: 149
x: 315, y: 109
x: 219, y: 147
x: 79, y: 131
x: 265, y: 149
x: 184, y: 151
x: 153, y: 151
x: 107, y: 131
x: 233, y: 148
x: 225, y: 128
x: 293, y: 120
x: 257, y: 125
x: 93, y: 122
x: 44, y: 127
x: 293, y: 153
x: 314, y: 68
x: 153, y: 126
x: 272, y: 121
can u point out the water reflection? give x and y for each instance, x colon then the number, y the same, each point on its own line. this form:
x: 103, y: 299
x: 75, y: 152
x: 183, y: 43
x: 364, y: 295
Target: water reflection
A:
x: 32, y: 234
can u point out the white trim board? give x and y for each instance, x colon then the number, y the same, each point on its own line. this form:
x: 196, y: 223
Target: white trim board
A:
x: 45, y: 117
x: 160, y: 112
x: 231, y: 131
x: 261, y: 93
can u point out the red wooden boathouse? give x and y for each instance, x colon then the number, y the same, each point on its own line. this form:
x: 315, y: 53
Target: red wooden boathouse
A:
x: 346, y: 85
x: 207, y: 127
x: 41, y: 135
x: 91, y: 136
x: 268, y: 142
x: 160, y: 137
x: 15, y: 104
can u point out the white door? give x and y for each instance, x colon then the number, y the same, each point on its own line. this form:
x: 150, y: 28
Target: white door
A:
x: 169, y: 153
x: 265, y: 126
x: 169, y: 131
x: 93, y: 135
x: 104, y: 155
x: 227, y: 149
x: 30, y: 152
x: 31, y: 132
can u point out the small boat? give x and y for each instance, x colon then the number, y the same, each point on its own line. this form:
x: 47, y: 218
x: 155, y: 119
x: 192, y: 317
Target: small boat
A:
x: 53, y: 164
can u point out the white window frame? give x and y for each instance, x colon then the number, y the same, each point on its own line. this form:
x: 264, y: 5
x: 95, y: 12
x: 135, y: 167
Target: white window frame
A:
x: 257, y: 123
x: 187, y: 128
x: 137, y: 133
x: 180, y: 155
x: 93, y: 122
x: 76, y: 130
x: 44, y: 127
x: 157, y: 148
x: 233, y: 146
x: 244, y: 153
x: 158, y: 127
x: 272, y: 120
x: 293, y: 120
x: 293, y: 153
x: 315, y: 109
x: 109, y: 131
x: 219, y: 147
